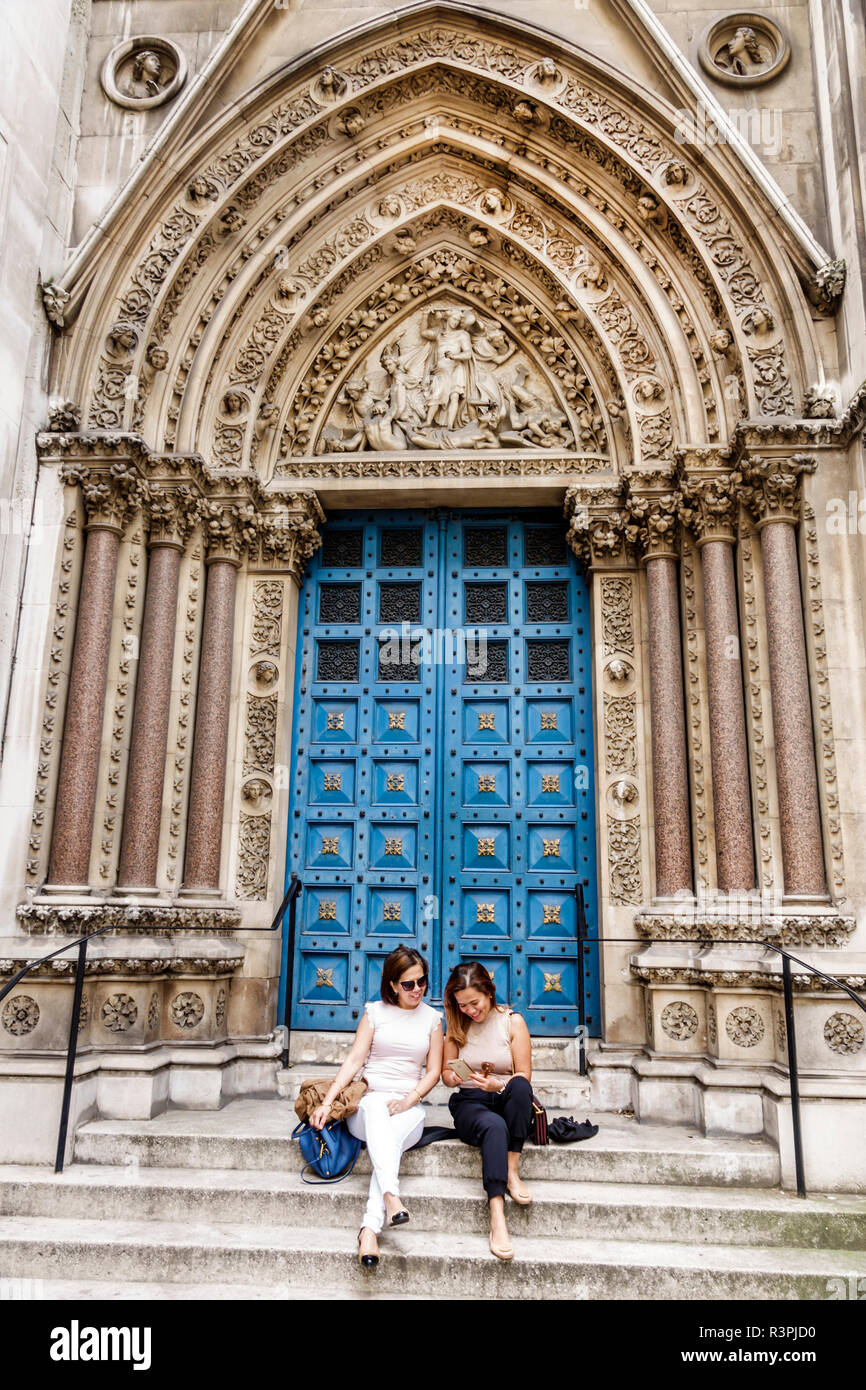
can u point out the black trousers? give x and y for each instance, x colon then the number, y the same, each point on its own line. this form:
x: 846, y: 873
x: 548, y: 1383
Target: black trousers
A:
x: 496, y: 1124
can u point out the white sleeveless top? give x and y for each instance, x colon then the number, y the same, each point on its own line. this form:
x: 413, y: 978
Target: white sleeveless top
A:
x: 401, y: 1041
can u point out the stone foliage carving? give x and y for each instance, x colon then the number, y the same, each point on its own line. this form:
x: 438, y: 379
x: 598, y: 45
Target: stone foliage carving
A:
x: 744, y: 1026
x: 827, y: 744
x: 620, y: 730
x: 124, y: 689
x: 844, y: 1033
x: 679, y: 1020
x: 179, y: 777
x: 153, y: 1013
x: 623, y: 852
x: 616, y: 616
x: 54, y: 302
x: 119, y: 1012
x: 697, y: 923
x: 827, y: 286
x: 696, y: 714
x: 130, y: 966
x: 771, y: 487
x: 111, y: 494
x: 49, y: 737
x: 267, y: 617
x: 755, y: 716
x: 712, y: 1024
x: 220, y: 1008
x: 761, y: 977
x: 74, y: 919
x: 187, y: 1010
x: 710, y: 505
x: 20, y: 1015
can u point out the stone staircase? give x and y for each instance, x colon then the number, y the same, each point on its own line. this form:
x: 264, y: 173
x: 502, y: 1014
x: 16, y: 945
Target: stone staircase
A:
x: 209, y: 1204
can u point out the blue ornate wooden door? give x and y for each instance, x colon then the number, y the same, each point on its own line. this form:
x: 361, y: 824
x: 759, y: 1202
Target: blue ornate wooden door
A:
x: 442, y: 780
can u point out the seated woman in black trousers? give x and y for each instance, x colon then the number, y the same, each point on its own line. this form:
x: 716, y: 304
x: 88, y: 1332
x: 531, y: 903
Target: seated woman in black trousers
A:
x: 492, y: 1110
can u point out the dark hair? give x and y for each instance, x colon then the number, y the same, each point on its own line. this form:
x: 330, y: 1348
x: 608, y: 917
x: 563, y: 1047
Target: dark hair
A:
x: 401, y: 959
x: 468, y: 975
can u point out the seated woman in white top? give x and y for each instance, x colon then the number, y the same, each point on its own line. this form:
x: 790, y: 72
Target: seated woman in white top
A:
x: 399, y: 1043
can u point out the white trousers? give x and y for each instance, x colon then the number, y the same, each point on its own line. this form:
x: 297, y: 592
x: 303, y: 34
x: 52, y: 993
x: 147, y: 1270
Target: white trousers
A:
x: 387, y: 1137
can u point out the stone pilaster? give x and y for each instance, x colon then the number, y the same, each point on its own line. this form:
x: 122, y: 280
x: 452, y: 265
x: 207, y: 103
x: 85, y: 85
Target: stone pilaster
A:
x: 710, y: 509
x: 111, y: 493
x: 653, y: 504
x: 771, y: 490
x: 230, y: 528
x: 173, y: 513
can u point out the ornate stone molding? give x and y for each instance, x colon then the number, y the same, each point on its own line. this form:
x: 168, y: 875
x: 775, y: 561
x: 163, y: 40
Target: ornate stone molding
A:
x: 127, y: 966
x: 710, y: 507
x: 827, y: 286
x: 699, y: 923
x: 230, y: 529
x: 74, y: 919
x: 173, y: 513
x: 289, y: 534
x: 653, y: 504
x: 599, y: 529
x: 763, y: 977
x: 695, y: 711
x: 771, y: 487
x: 111, y: 492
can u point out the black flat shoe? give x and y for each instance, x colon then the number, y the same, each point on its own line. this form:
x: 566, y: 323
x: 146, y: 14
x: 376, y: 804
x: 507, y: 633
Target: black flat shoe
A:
x: 399, y: 1218
x: 366, y: 1261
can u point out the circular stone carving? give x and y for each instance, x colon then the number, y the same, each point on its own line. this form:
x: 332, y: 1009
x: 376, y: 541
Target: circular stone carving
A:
x: 265, y: 674
x: 143, y: 72
x: 618, y: 671
x: 744, y: 50
x: 119, y: 1012
x: 744, y: 1026
x: 153, y: 1012
x: 187, y: 1010
x: 220, y: 1011
x: 20, y: 1015
x: 844, y: 1033
x: 679, y: 1021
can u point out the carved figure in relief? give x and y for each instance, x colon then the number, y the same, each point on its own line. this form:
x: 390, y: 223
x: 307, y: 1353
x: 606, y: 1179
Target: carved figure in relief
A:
x: 742, y: 54
x: 440, y: 386
x: 146, y: 74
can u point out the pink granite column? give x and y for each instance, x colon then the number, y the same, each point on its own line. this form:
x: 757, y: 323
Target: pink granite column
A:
x: 75, y: 801
x: 802, y: 850
x: 139, y: 849
x: 207, y: 785
x: 667, y: 704
x: 732, y: 804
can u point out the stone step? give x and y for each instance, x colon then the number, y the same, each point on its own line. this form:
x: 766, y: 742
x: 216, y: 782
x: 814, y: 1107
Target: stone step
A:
x: 100, y: 1291
x: 560, y: 1090
x: 329, y: 1049
x: 459, y: 1265
x: 606, y: 1210
x: 255, y: 1134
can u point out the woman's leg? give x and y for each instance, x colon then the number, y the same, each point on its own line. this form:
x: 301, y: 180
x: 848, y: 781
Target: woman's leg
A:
x: 374, y: 1215
x: 386, y: 1137
x: 478, y: 1124
x: 514, y: 1104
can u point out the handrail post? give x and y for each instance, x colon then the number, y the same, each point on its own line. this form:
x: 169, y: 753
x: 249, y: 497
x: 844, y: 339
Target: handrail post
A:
x: 294, y: 890
x: 70, y: 1054
x: 581, y: 987
x: 793, y: 1075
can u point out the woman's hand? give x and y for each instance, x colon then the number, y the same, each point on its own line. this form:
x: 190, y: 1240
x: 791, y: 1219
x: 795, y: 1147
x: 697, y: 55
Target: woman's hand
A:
x: 493, y: 1083
x: 450, y: 1077
x: 319, y: 1117
x: 396, y: 1107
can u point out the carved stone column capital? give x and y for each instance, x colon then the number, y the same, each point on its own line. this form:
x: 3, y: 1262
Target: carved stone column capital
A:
x: 230, y: 529
x: 710, y: 505
x: 600, y: 530
x: 771, y: 488
x: 653, y: 504
x: 173, y: 513
x: 112, y: 492
x: 290, y: 533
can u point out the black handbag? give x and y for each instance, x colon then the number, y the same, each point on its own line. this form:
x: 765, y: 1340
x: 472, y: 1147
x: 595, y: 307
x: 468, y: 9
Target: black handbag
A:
x: 567, y: 1131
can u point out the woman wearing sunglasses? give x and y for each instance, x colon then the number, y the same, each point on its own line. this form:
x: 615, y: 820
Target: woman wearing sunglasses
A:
x: 399, y: 1044
x: 491, y: 1049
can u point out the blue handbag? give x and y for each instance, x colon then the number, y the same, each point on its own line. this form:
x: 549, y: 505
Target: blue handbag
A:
x: 331, y: 1152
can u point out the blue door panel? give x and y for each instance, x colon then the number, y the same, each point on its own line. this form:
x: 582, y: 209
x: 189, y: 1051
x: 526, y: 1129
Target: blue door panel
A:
x: 442, y: 776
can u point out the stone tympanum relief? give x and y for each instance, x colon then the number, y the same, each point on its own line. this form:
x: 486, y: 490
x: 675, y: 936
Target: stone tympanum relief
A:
x: 452, y: 380
x: 143, y: 72
x: 744, y: 50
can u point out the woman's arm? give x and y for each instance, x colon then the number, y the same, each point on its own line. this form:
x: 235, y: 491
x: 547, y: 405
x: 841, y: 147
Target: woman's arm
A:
x: 521, y: 1047
x: 449, y: 1077
x: 428, y: 1080
x: 358, y: 1054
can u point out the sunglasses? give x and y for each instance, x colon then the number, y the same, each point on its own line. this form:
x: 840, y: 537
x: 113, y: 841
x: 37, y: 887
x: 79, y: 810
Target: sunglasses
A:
x: 409, y: 985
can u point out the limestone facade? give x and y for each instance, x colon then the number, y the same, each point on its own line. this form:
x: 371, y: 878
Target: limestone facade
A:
x: 272, y: 211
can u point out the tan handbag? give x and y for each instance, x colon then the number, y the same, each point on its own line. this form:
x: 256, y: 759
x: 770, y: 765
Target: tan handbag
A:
x: 312, y: 1095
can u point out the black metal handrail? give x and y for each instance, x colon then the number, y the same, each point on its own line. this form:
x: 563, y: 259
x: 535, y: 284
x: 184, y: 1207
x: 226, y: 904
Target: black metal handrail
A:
x: 584, y: 942
x: 289, y: 900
